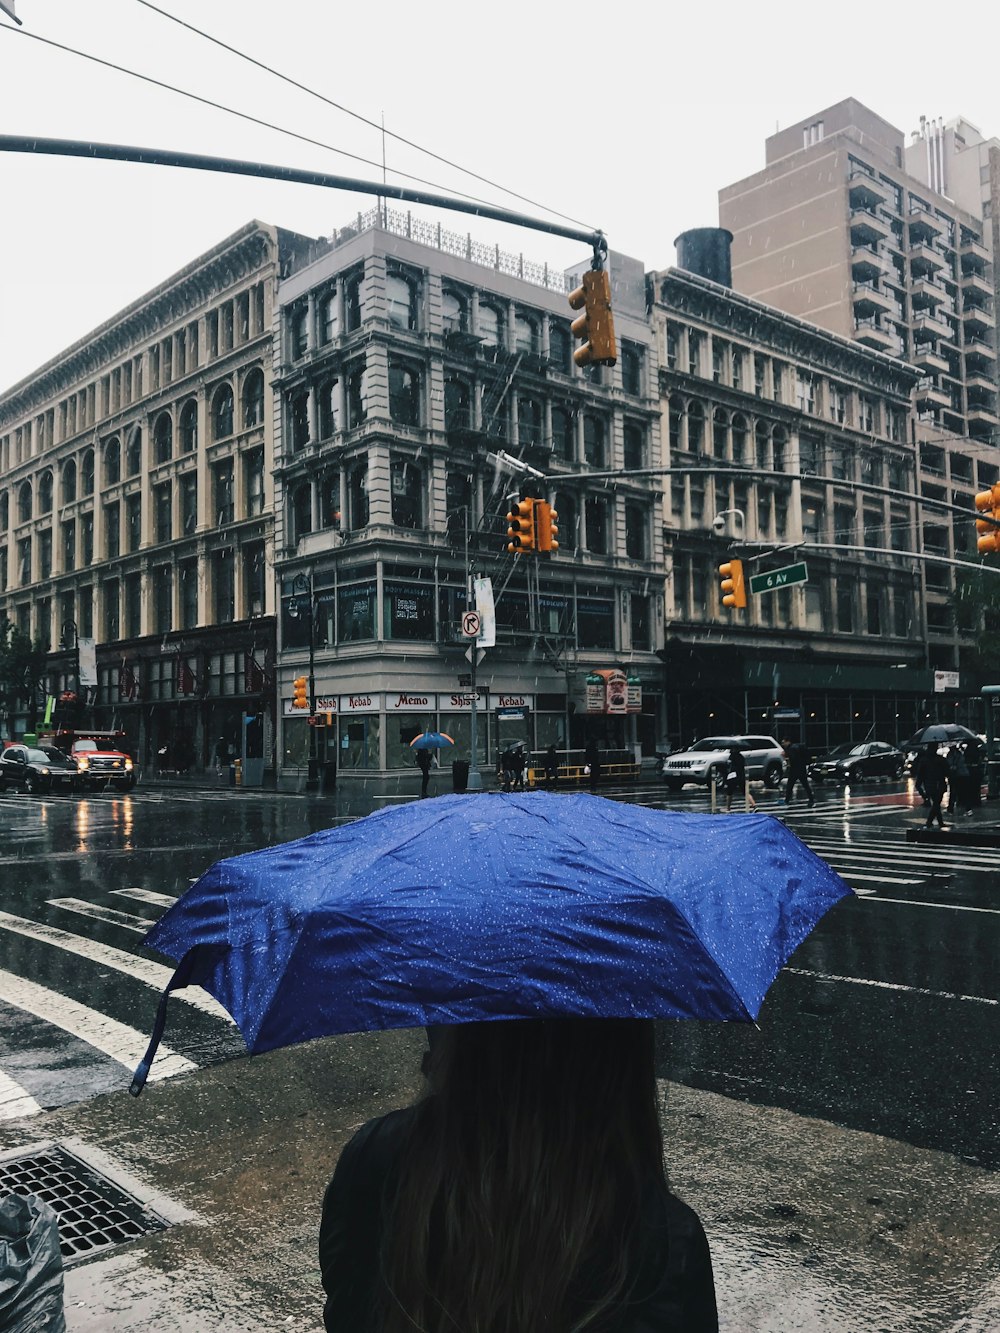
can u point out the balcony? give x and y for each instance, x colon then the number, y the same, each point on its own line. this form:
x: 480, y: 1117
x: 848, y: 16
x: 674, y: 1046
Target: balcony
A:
x: 925, y: 292
x: 868, y: 300
x: 924, y: 225
x: 926, y: 326
x: 927, y: 358
x: 867, y: 228
x: 869, y: 262
x: 973, y: 253
x: 982, y: 420
x: 976, y: 282
x: 928, y: 395
x: 977, y: 321
x: 979, y: 356
x: 865, y: 191
x: 868, y: 332
x: 980, y: 384
x: 924, y: 260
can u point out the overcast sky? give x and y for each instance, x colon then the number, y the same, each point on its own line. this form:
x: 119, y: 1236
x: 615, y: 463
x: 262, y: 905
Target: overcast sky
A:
x: 628, y: 117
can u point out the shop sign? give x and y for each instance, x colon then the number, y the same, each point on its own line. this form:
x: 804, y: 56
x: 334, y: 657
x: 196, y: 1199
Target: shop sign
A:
x: 607, y: 692
x: 502, y: 701
x: 461, y: 700
x: 360, y: 703
x: 512, y: 714
x: 945, y: 680
x: 326, y: 703
x: 634, y: 694
x: 405, y: 702
x: 595, y: 693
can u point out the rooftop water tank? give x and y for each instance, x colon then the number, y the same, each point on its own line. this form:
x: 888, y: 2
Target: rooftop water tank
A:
x: 705, y: 251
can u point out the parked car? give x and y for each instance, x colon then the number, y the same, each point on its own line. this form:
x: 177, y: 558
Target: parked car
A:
x: 35, y: 770
x: 762, y: 755
x: 857, y: 763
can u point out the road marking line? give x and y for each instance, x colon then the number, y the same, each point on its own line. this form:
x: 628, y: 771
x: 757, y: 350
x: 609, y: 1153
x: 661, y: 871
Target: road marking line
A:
x: 15, y: 1100
x: 148, y: 896
x: 127, y: 920
x: 845, y: 872
x: 114, y: 1039
x: 892, y: 985
x: 141, y: 969
x: 951, y: 907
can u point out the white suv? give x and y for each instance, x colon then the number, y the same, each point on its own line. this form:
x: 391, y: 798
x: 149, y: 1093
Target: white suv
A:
x: 763, y: 756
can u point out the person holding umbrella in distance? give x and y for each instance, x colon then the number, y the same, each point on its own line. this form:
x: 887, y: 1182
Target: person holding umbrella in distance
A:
x: 526, y: 1191
x: 423, y: 745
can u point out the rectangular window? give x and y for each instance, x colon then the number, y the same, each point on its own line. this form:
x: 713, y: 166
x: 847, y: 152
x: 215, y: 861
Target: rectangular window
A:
x: 133, y: 606
x: 356, y: 611
x: 189, y: 502
x: 408, y: 610
x: 163, y: 582
x: 595, y: 622
x: 69, y: 545
x: 253, y: 478
x: 694, y: 352
x: 254, y: 573
x: 222, y: 485
x: 85, y: 613
x: 187, y: 573
x: 24, y: 561
x: 133, y: 520
x: 45, y: 554
x: 223, y: 587
x: 87, y: 540
x: 163, y: 501
x: 845, y: 609
x: 639, y: 622
x: 109, y: 595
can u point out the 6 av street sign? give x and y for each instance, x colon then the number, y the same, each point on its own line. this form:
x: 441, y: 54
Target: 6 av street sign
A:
x: 779, y: 578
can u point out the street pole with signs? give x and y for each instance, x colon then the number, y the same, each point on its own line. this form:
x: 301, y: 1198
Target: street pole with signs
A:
x: 303, y: 583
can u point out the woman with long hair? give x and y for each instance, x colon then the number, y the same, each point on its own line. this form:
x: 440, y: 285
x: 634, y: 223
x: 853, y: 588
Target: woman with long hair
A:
x: 525, y: 1193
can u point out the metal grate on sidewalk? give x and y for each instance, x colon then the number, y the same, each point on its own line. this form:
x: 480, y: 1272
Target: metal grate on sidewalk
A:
x: 94, y: 1213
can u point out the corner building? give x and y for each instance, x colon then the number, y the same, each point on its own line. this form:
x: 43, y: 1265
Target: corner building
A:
x: 407, y: 358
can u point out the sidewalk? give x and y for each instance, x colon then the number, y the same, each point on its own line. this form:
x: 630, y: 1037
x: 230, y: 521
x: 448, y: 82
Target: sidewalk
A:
x: 813, y: 1229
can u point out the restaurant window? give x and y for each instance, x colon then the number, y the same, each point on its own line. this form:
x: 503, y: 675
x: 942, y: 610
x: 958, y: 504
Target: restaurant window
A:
x: 356, y: 611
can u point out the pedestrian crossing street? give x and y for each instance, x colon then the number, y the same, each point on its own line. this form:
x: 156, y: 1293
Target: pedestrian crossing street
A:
x: 77, y: 999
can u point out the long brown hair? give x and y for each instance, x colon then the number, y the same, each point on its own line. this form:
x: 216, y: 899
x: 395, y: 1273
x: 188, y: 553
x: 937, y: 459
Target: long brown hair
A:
x: 519, y: 1201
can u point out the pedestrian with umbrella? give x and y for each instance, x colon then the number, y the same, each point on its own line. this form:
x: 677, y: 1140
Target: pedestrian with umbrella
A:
x: 423, y: 745
x: 526, y: 1191
x: 933, y: 777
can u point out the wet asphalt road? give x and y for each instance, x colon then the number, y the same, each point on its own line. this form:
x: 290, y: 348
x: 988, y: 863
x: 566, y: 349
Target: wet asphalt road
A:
x: 886, y: 1019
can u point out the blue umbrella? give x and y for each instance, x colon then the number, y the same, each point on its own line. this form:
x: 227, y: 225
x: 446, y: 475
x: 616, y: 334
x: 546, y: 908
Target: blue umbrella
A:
x: 431, y: 740
x: 527, y: 905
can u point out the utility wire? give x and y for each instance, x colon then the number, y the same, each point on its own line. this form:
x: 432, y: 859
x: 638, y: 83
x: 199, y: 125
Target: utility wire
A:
x: 243, y: 115
x: 268, y: 69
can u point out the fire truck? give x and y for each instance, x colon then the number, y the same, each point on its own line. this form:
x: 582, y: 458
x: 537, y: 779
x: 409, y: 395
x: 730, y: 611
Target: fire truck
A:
x: 103, y: 758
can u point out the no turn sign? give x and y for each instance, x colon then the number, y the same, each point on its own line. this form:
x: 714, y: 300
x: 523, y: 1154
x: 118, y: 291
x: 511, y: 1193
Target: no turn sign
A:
x: 472, y: 624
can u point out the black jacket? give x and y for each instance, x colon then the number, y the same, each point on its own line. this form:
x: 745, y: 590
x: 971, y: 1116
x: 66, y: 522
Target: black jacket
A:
x: 676, y: 1267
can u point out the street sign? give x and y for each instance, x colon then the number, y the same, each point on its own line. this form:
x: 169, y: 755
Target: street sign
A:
x: 779, y: 578
x: 480, y: 653
x: 472, y: 624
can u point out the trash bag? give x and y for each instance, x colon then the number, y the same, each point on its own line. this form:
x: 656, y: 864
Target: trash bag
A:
x: 31, y: 1269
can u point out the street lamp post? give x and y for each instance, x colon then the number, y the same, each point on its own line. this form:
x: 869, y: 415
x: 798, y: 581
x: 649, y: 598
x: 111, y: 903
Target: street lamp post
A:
x: 303, y: 583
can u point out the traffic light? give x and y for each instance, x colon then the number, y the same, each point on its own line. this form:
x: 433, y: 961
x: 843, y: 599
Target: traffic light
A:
x: 546, y: 529
x: 734, y: 593
x: 521, y: 526
x: 300, y: 692
x: 595, y: 326
x: 988, y: 502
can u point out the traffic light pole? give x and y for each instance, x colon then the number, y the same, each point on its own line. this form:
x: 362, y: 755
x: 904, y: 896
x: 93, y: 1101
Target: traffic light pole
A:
x: 475, y: 782
x: 304, y: 582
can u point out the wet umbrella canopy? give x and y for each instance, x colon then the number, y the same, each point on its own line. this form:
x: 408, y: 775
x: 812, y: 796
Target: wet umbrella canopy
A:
x: 942, y: 733
x: 507, y: 906
x: 431, y: 740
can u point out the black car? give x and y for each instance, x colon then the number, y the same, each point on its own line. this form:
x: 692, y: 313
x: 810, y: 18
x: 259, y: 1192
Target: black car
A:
x: 857, y: 763
x: 34, y: 769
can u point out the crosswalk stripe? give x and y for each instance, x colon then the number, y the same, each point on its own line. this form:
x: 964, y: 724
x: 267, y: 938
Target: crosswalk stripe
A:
x: 141, y: 969
x: 852, y: 875
x: 15, y: 1100
x: 893, y: 985
x: 127, y: 920
x: 147, y: 896
x: 114, y: 1039
x: 948, y: 907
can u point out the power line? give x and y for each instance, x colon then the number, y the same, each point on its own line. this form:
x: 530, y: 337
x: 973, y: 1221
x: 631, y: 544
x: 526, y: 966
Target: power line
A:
x: 219, y: 106
x: 294, y: 83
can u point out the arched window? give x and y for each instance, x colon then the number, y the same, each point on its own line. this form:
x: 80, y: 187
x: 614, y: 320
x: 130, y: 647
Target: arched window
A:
x: 490, y: 327
x: 563, y: 433
x: 454, y: 312
x: 457, y: 404
x: 696, y: 427
x: 189, y: 427
x: 329, y: 317
x: 87, y: 472
x: 594, y: 436
x: 67, y: 483
x: 401, y: 301
x: 24, y: 503
x: 298, y: 407
x: 739, y: 433
x: 222, y: 412
x: 404, y: 395
x: 45, y: 493
x: 526, y: 334
x: 163, y: 438
x: 357, y: 495
x: 301, y: 510
x: 560, y: 347
x: 720, y: 426
x: 329, y: 408
x: 253, y: 399
x: 353, y: 300
x: 133, y: 454
x: 529, y: 420
x: 112, y: 462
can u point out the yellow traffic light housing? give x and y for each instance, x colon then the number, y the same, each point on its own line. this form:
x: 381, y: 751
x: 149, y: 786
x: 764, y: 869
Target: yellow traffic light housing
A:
x: 521, y: 526
x: 734, y: 593
x: 546, y: 528
x: 300, y: 692
x: 596, y: 326
x: 988, y: 502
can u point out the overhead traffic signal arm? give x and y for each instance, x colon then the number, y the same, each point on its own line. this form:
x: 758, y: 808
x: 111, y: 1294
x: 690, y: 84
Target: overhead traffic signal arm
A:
x: 596, y: 326
x: 988, y: 502
x: 734, y: 592
x: 521, y: 526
